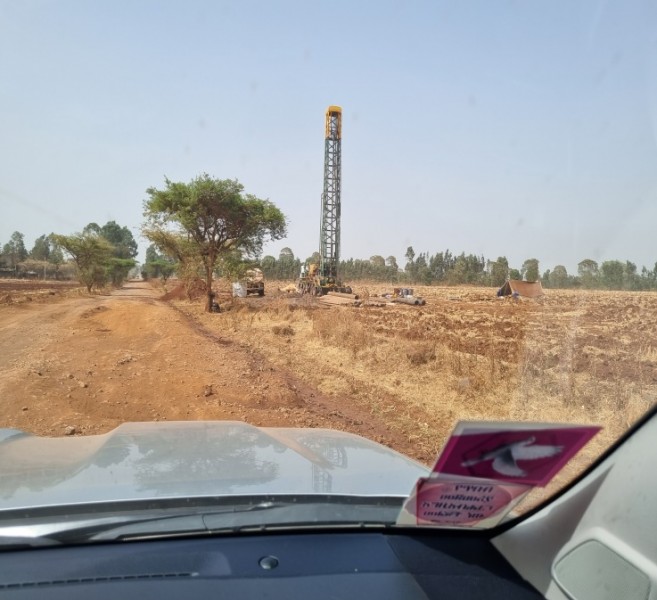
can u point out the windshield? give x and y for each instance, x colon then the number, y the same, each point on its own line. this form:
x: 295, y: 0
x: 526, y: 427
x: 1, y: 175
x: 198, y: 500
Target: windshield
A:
x: 275, y: 252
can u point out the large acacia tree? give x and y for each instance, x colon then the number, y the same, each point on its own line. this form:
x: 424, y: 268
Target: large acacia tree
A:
x: 212, y: 219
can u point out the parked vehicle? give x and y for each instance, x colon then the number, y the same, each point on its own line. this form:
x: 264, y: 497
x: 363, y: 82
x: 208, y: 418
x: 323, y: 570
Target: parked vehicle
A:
x: 255, y: 282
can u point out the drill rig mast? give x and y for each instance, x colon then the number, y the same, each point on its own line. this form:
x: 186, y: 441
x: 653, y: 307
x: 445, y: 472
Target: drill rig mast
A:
x: 323, y: 278
x: 329, y: 236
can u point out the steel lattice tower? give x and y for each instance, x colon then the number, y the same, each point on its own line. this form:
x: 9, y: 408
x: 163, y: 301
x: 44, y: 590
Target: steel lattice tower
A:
x: 329, y: 242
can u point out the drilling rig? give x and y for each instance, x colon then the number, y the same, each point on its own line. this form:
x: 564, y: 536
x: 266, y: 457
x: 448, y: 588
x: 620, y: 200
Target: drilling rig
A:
x: 323, y: 278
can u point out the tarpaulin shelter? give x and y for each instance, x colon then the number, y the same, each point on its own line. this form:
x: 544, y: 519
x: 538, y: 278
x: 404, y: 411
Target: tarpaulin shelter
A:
x: 526, y: 289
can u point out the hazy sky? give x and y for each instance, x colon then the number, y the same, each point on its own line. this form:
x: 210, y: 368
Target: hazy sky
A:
x: 521, y: 128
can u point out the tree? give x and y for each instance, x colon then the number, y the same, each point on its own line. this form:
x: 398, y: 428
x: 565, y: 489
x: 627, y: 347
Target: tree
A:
x: 514, y: 274
x: 314, y: 259
x: 268, y: 266
x: 611, y: 272
x: 458, y: 273
x: 286, y: 254
x: 630, y: 277
x: 157, y: 265
x: 288, y: 267
x: 183, y: 252
x: 378, y: 261
x: 14, y: 250
x: 41, y: 249
x: 391, y: 263
x: 121, y: 238
x: 499, y: 271
x: 215, y: 216
x: 530, y: 270
x: 410, y: 267
x: 91, y: 254
x: 124, y: 249
x: 392, y: 269
x: 558, y: 278
x: 420, y: 271
x: 56, y: 257
x: 588, y: 272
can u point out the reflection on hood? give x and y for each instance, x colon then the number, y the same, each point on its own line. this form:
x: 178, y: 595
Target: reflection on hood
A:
x: 191, y: 459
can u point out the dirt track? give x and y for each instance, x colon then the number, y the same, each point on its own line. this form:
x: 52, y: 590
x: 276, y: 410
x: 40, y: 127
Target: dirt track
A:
x: 92, y: 363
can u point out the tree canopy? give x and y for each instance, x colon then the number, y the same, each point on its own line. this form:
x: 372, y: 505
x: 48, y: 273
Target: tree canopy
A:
x: 14, y: 250
x: 499, y: 271
x: 530, y: 270
x: 90, y: 253
x: 121, y: 239
x: 157, y: 265
x: 100, y: 254
x: 209, y: 219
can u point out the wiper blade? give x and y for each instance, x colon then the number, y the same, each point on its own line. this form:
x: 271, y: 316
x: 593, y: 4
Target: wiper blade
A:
x: 232, y: 515
x: 114, y: 528
x: 45, y: 534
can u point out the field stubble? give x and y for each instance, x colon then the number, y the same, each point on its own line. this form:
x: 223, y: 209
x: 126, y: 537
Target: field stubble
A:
x: 574, y: 356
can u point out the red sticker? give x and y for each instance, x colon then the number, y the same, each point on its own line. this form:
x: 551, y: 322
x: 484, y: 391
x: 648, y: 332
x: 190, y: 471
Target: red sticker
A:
x: 462, y: 502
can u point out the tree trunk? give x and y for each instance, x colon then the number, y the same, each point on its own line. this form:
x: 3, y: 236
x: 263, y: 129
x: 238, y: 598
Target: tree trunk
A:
x: 210, y: 293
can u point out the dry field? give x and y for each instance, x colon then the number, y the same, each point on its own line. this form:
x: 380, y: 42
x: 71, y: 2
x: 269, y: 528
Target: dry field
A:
x: 17, y: 291
x: 401, y: 375
x: 572, y: 356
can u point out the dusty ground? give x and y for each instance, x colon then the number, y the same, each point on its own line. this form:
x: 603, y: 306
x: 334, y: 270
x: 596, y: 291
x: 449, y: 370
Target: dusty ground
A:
x: 399, y: 375
x: 92, y: 363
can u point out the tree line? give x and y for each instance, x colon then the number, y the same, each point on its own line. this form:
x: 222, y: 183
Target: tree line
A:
x: 448, y: 268
x: 210, y: 227
x: 98, y: 256
x: 104, y: 255
x: 45, y: 259
x: 195, y: 230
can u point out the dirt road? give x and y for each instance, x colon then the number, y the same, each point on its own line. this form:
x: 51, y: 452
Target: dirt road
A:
x: 91, y: 363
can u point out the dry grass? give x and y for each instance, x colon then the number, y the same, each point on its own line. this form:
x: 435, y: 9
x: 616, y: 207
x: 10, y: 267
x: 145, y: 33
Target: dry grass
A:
x: 580, y: 357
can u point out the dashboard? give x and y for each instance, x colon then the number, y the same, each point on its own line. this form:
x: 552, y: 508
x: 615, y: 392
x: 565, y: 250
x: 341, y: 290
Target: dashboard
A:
x: 318, y: 565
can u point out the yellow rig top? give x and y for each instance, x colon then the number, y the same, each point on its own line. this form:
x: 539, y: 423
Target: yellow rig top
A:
x: 334, y: 111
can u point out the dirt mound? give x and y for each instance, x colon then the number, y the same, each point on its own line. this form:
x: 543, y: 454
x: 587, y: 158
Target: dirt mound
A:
x: 177, y: 293
x: 187, y: 291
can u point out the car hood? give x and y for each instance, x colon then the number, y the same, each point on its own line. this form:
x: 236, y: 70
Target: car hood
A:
x: 196, y: 459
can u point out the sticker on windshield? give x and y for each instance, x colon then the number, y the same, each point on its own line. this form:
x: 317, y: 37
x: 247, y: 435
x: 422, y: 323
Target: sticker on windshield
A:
x: 458, y: 502
x: 524, y: 453
x: 487, y: 468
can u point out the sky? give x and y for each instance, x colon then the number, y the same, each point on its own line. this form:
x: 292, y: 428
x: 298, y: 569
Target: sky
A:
x: 525, y: 129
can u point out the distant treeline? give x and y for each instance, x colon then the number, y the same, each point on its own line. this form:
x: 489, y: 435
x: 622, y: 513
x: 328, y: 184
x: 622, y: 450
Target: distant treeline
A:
x: 447, y: 268
x: 46, y: 259
x: 96, y: 257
